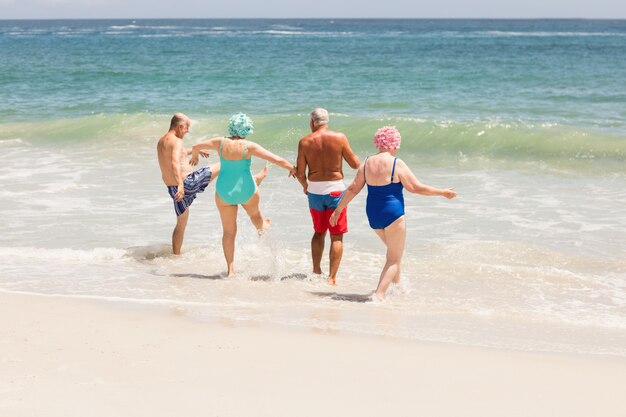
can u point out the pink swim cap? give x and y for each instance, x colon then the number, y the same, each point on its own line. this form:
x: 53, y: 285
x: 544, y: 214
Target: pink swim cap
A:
x: 387, y: 137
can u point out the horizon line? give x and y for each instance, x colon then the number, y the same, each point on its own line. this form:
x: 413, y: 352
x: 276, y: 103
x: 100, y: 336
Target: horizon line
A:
x: 315, y: 18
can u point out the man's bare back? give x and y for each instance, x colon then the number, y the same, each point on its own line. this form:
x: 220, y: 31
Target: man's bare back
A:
x: 320, y: 171
x: 321, y: 153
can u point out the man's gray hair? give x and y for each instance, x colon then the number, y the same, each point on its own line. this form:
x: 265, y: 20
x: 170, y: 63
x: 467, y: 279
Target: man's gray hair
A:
x: 177, y: 119
x: 320, y: 117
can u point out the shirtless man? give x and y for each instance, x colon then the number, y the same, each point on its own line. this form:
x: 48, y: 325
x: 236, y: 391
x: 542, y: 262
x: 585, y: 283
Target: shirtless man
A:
x: 182, y: 182
x: 323, y: 152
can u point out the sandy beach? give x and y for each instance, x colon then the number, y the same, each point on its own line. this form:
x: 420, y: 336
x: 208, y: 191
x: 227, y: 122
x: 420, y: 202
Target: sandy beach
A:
x: 71, y: 357
x: 512, y: 300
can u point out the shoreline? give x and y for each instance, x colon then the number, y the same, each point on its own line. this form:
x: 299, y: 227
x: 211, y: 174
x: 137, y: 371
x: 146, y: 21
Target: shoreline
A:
x: 64, y: 357
x: 184, y: 310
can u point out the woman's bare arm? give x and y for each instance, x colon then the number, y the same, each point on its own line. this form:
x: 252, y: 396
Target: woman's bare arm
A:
x: 205, y: 145
x: 260, y: 152
x: 412, y: 184
x: 354, y: 188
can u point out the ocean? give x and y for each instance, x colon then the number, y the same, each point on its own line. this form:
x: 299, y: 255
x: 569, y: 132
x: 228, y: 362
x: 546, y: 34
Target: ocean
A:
x: 526, y: 119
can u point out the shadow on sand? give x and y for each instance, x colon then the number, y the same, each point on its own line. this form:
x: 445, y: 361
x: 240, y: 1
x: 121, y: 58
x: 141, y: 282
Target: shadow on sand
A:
x: 261, y: 278
x: 353, y: 298
x: 266, y: 278
x: 199, y: 276
x: 294, y: 276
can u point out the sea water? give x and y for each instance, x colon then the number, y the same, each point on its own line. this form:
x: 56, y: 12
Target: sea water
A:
x: 526, y: 119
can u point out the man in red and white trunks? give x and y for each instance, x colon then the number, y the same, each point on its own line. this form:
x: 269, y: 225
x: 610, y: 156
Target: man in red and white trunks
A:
x: 320, y: 161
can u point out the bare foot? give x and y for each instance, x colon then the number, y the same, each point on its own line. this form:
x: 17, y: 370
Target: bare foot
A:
x: 378, y: 298
x: 266, y: 226
x: 332, y: 280
x: 231, y: 271
x: 260, y: 176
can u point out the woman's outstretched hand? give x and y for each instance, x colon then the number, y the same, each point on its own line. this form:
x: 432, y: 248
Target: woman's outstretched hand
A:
x: 195, y: 156
x: 449, y: 193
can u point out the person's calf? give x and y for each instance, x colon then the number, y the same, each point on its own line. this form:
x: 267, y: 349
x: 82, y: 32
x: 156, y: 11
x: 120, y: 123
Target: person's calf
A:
x: 177, y: 240
x: 179, y: 232
x: 260, y: 176
x: 317, y: 250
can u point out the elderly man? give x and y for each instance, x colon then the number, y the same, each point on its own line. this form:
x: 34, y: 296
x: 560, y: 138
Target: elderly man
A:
x: 320, y: 161
x: 182, y: 182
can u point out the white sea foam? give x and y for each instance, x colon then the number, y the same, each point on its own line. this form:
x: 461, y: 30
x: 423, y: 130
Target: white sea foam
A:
x: 285, y: 27
x: 496, y: 33
x: 167, y: 35
x: 61, y: 256
x: 223, y: 31
x: 124, y: 27
x: 517, y: 251
x: 300, y: 33
x: 150, y: 301
x: 164, y: 27
x: 9, y: 142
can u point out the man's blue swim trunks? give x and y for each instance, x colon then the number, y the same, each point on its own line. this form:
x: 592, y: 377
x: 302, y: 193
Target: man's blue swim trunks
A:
x: 195, y: 183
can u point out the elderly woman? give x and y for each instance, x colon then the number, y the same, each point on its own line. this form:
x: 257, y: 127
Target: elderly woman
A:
x: 235, y: 183
x: 386, y: 176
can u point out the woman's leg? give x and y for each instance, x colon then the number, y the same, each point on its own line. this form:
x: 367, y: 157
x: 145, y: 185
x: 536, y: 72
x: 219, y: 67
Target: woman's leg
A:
x: 260, y: 176
x: 394, y: 237
x: 228, y: 214
x: 252, y: 208
x: 215, y: 170
x: 381, y: 235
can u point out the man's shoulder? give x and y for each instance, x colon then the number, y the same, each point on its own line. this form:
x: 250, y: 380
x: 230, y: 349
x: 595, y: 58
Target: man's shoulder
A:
x: 334, y: 137
x: 308, y: 136
x: 326, y: 136
x: 306, y: 140
x: 168, y: 142
x: 333, y: 134
x: 169, y: 138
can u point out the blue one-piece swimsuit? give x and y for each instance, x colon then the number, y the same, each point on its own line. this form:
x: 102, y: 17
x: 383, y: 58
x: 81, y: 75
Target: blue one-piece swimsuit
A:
x: 385, y: 203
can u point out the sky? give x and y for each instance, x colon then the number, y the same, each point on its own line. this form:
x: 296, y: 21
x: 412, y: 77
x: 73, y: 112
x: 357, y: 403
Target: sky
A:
x: 126, y: 9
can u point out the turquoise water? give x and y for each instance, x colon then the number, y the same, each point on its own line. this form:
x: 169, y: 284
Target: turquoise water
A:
x: 532, y: 89
x: 566, y: 72
x: 526, y: 119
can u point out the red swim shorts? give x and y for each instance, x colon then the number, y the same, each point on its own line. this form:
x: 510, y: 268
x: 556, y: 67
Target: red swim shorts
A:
x: 322, y: 207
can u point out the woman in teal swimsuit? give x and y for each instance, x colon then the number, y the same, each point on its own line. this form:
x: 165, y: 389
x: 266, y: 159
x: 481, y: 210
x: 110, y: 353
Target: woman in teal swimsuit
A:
x: 386, y: 176
x: 235, y: 184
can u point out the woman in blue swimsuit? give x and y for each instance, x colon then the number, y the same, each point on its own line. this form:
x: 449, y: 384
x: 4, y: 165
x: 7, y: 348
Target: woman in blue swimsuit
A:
x: 235, y: 184
x: 386, y: 176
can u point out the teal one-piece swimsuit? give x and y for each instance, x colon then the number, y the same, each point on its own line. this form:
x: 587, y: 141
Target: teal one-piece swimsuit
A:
x: 235, y: 184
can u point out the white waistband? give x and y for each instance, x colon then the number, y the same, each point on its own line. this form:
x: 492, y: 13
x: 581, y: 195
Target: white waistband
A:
x: 325, y: 187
